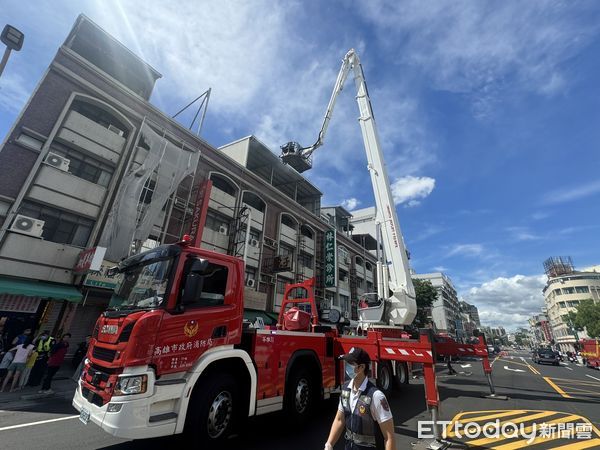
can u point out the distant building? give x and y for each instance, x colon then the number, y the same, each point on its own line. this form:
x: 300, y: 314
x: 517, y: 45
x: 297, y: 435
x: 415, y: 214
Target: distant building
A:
x: 445, y: 310
x: 541, y: 331
x: 471, y: 310
x: 565, y: 289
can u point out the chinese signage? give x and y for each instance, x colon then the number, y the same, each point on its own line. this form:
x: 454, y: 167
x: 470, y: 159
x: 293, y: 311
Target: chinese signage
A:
x: 200, y: 210
x: 101, y: 278
x: 330, y: 255
x: 282, y: 264
x: 89, y: 259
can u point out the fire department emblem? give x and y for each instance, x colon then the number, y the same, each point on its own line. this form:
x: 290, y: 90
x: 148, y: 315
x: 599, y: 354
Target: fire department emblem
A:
x: 191, y: 328
x: 362, y: 409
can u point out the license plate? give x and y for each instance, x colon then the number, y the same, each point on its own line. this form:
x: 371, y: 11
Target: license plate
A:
x: 84, y: 416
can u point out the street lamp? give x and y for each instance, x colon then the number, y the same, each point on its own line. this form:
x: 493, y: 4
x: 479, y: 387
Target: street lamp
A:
x: 13, y: 39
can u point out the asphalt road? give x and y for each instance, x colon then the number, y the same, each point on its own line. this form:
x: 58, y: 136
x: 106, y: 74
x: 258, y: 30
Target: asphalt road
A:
x: 537, y: 394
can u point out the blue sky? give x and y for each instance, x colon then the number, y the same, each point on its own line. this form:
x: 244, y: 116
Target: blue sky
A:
x: 487, y: 111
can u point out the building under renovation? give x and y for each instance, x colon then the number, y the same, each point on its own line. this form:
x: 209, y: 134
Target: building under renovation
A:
x: 91, y: 172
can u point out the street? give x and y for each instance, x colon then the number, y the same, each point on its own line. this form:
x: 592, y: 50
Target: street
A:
x: 536, y: 394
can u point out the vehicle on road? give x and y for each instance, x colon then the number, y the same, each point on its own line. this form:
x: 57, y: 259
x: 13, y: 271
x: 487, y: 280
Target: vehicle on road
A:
x: 545, y: 356
x: 590, y: 352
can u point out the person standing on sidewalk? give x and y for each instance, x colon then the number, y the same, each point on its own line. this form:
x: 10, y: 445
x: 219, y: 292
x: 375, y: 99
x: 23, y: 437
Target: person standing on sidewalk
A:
x: 57, y: 356
x: 17, y: 366
x: 43, y: 344
x: 28, y: 366
x: 363, y: 410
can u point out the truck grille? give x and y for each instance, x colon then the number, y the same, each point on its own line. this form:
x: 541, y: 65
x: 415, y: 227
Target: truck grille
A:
x: 92, y: 397
x: 104, y: 354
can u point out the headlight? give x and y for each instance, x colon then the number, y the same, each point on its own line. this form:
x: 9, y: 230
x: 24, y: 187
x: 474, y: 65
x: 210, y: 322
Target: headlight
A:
x: 136, y: 384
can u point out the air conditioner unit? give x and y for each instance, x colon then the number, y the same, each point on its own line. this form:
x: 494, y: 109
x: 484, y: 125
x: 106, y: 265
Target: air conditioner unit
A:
x: 116, y: 130
x: 223, y: 229
x: 270, y: 242
x: 60, y: 162
x: 27, y: 225
x: 251, y: 282
x: 253, y: 242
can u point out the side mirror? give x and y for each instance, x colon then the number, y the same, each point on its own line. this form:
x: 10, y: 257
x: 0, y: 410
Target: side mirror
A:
x: 193, y: 285
x: 199, y: 266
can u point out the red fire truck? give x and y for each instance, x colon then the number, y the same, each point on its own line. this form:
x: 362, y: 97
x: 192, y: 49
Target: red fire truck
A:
x: 590, y: 352
x: 176, y: 354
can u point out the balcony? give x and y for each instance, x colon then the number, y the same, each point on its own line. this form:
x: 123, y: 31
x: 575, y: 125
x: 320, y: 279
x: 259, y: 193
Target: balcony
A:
x: 307, y: 244
x: 222, y: 202
x: 56, y: 187
x: 258, y: 217
x: 213, y: 240
x: 287, y: 235
x: 90, y: 137
x: 38, y: 259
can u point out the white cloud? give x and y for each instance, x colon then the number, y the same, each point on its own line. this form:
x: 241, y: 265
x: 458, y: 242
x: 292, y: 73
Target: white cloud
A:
x: 409, y: 189
x: 14, y: 91
x: 351, y: 203
x: 440, y: 269
x: 523, y: 234
x: 481, y: 48
x: 465, y: 250
x: 508, y: 302
x: 573, y: 193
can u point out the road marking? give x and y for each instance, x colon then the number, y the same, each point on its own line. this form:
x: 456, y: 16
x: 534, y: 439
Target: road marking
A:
x: 580, y: 445
x: 556, y: 388
x: 513, y: 370
x: 598, y: 379
x: 30, y: 424
x: 537, y: 440
x: 464, y: 366
x: 461, y: 423
x: 568, y: 368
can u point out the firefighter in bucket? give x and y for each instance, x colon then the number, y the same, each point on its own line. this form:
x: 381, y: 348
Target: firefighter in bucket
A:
x: 363, y: 411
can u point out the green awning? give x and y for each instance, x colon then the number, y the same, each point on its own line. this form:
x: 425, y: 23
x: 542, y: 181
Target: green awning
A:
x: 40, y: 289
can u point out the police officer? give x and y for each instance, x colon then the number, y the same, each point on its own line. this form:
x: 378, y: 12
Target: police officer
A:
x: 42, y: 346
x: 363, y: 410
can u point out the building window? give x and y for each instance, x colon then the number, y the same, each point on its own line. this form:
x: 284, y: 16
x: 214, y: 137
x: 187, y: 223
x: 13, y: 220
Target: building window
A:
x: 369, y: 286
x: 217, y: 222
x: 223, y: 184
x: 562, y: 304
x: 83, y: 166
x: 100, y: 116
x: 582, y: 289
x: 254, y: 201
x: 281, y: 283
x: 573, y: 304
x: 250, y: 273
x: 343, y: 276
x: 345, y: 302
x: 59, y: 226
x: 557, y: 292
x: 305, y: 260
x: 359, y: 283
x: 368, y: 267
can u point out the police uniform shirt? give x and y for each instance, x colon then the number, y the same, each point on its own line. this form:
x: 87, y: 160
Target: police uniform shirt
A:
x: 380, y: 409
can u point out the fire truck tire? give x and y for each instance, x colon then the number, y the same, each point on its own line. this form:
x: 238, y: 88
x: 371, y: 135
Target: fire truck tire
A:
x: 385, y: 377
x: 213, y: 410
x: 401, y: 378
x: 300, y: 395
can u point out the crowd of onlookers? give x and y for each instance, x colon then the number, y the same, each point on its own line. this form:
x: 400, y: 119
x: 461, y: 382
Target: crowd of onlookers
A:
x: 31, y: 361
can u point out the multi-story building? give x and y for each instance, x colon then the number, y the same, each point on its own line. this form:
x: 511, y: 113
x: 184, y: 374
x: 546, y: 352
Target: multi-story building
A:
x: 541, y: 331
x: 472, y: 312
x: 565, y: 289
x: 92, y: 172
x: 445, y: 310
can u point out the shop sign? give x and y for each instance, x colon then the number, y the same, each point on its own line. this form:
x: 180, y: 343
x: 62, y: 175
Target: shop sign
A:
x: 89, y: 259
x: 101, y: 278
x: 19, y: 303
x: 330, y: 255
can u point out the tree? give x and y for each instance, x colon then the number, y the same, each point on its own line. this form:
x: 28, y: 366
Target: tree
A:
x: 588, y: 317
x: 425, y: 294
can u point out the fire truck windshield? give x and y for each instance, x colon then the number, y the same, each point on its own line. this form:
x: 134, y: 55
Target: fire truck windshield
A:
x: 143, y: 286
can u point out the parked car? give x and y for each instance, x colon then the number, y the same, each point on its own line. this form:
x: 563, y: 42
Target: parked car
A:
x: 545, y: 356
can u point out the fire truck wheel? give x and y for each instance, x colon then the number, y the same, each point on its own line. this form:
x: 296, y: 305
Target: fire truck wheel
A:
x: 385, y: 377
x: 401, y: 377
x: 213, y: 410
x: 300, y: 395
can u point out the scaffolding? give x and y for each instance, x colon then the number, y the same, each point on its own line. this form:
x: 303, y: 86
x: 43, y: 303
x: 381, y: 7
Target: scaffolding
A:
x: 557, y: 266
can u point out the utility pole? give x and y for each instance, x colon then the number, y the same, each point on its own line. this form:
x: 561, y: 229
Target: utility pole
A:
x: 13, y: 39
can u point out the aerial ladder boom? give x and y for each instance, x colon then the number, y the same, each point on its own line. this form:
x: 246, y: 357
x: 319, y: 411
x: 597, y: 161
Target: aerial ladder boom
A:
x: 395, y: 304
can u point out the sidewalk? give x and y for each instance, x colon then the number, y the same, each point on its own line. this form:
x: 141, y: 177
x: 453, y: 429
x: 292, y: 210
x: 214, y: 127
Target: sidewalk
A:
x: 62, y: 385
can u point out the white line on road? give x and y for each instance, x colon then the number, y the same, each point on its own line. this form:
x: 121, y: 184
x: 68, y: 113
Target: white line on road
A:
x: 598, y: 379
x: 513, y: 370
x: 30, y: 424
x: 568, y: 368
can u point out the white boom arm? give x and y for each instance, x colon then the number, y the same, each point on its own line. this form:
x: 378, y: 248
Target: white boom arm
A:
x: 393, y: 273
